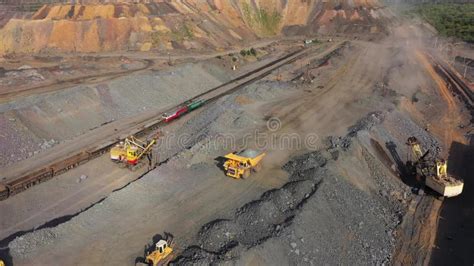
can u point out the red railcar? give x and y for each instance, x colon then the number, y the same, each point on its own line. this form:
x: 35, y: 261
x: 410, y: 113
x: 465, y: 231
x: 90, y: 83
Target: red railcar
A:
x: 170, y: 117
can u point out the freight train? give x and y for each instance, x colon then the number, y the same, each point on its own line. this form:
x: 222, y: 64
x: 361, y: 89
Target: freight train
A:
x: 182, y: 110
x: 9, y: 187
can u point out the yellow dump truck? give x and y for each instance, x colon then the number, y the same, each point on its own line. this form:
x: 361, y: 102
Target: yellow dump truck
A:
x: 239, y: 165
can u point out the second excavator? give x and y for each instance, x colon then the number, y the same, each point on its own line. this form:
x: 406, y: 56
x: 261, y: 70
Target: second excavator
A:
x: 432, y: 171
x: 132, y: 152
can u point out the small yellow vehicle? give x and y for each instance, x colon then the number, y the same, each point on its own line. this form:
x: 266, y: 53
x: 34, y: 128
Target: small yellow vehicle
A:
x: 131, y: 151
x: 239, y: 165
x: 161, y: 255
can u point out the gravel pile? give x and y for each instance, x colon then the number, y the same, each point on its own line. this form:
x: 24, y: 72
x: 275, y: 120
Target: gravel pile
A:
x: 21, y: 246
x: 397, y: 128
x: 16, y: 142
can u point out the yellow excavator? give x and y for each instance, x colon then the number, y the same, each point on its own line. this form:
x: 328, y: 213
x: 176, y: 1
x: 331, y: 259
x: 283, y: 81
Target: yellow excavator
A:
x: 131, y: 152
x: 239, y: 165
x: 433, y: 171
x: 162, y: 252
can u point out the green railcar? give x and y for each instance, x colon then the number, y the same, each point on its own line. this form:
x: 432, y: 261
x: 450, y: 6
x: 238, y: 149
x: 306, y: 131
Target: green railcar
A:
x: 195, y: 104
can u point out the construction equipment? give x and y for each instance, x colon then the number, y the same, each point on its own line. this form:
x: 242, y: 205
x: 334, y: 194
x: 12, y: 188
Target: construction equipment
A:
x: 162, y: 251
x: 239, y: 165
x: 433, y: 171
x: 131, y: 151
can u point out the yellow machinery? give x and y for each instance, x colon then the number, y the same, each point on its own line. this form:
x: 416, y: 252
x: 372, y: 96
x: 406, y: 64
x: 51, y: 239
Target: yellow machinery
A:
x: 129, y: 153
x: 161, y: 254
x: 434, y: 171
x: 239, y: 165
x: 415, y: 148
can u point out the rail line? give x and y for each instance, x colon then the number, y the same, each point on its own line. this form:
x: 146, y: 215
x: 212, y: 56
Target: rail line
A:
x: 10, y: 186
x: 455, y: 82
x: 59, y: 84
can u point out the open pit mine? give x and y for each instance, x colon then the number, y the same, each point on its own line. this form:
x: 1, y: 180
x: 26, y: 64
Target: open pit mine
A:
x: 263, y: 132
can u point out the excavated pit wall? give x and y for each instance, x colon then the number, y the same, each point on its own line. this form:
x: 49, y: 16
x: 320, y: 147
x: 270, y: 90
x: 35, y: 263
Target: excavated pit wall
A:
x: 185, y: 24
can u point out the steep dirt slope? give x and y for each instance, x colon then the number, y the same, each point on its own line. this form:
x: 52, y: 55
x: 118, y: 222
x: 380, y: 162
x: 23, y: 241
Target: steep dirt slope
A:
x: 183, y: 24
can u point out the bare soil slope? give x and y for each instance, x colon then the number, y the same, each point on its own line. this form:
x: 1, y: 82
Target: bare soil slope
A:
x: 183, y: 24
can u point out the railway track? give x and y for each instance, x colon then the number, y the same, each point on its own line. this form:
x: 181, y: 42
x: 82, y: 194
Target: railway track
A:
x: 60, y: 84
x: 11, y: 185
x: 455, y: 83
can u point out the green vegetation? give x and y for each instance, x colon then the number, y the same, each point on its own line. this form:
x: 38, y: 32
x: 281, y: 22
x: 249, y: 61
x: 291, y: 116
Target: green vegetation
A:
x: 184, y: 32
x: 248, y: 52
x: 266, y: 21
x: 155, y: 39
x: 451, y: 20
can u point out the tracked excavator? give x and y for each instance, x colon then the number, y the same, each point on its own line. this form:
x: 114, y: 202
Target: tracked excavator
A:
x: 432, y: 171
x: 133, y: 153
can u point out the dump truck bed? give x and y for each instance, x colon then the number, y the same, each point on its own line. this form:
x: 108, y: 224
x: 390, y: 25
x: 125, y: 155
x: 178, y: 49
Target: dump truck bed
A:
x: 252, y: 155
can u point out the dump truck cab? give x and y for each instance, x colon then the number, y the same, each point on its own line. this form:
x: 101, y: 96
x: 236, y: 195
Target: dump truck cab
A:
x: 239, y: 165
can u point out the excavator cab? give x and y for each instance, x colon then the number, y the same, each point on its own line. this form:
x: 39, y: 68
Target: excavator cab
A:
x: 132, y: 155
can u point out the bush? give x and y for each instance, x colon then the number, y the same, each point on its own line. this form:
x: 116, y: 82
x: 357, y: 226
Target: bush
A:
x: 253, y: 51
x: 450, y: 20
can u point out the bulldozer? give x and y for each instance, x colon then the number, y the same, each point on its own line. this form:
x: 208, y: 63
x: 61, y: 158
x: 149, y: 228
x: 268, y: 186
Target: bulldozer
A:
x: 132, y: 151
x: 432, y: 171
x: 162, y: 252
x: 239, y: 165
